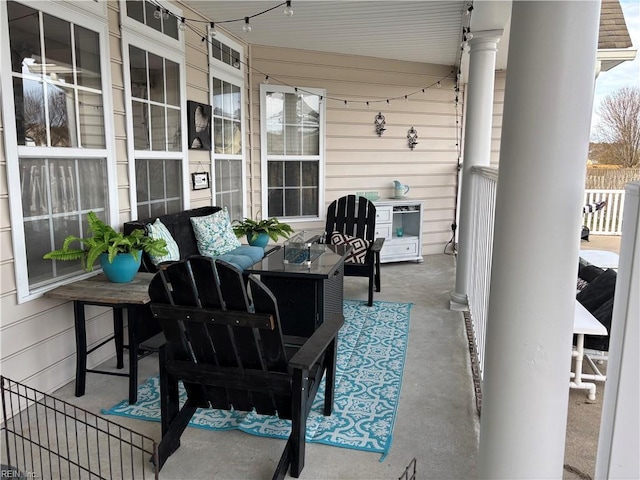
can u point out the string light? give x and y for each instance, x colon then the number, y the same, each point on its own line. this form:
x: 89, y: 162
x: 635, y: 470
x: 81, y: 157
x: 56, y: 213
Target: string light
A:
x: 165, y: 15
x: 288, y: 11
x: 183, y: 25
x: 247, y: 25
x: 157, y: 14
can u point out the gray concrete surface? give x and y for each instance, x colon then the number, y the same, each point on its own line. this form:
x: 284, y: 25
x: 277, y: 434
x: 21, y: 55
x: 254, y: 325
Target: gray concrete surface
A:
x: 437, y: 422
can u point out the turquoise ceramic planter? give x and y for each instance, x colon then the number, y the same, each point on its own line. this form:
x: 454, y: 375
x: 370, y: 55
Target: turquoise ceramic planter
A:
x: 123, y: 268
x: 260, y: 241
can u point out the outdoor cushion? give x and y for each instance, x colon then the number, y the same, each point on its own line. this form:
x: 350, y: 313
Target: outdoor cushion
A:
x: 359, y: 246
x: 598, y: 291
x: 214, y: 234
x: 157, y: 230
x: 243, y: 257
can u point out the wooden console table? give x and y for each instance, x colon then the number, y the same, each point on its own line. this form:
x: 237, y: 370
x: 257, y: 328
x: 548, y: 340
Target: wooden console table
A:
x: 132, y: 297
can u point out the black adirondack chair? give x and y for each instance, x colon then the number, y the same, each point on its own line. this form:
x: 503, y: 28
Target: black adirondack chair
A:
x: 230, y: 353
x: 356, y: 217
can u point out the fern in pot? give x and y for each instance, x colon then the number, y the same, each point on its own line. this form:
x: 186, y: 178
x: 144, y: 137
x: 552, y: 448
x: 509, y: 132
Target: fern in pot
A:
x: 119, y: 254
x: 258, y: 232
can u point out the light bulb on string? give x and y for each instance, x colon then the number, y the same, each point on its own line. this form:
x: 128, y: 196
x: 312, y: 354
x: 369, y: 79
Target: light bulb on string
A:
x: 182, y: 26
x: 368, y: 105
x: 288, y: 11
x: 438, y: 85
x: 165, y: 15
x: 212, y: 30
x: 424, y: 91
x: 266, y: 80
x: 406, y: 98
x: 346, y: 105
x: 157, y: 14
x: 247, y: 26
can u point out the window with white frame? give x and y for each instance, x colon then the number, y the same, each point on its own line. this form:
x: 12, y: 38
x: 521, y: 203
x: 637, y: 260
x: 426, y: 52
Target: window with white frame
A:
x: 155, y: 75
x: 292, y: 129
x: 56, y: 133
x: 227, y: 87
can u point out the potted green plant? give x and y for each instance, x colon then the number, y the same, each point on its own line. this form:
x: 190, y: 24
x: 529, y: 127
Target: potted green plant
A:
x: 119, y: 254
x: 258, y: 232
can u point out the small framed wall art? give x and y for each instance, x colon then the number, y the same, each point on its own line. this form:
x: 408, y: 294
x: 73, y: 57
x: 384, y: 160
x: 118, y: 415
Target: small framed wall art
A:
x: 199, y: 125
x: 199, y: 181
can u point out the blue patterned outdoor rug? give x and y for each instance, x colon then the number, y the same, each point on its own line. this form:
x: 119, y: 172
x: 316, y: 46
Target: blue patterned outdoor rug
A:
x: 372, y: 347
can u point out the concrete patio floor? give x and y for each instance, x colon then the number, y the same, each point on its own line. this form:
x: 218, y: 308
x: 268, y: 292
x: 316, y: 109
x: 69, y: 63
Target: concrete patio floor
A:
x: 437, y: 422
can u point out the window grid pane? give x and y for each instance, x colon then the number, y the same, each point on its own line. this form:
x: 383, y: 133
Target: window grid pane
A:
x: 49, y: 88
x: 159, y: 186
x: 292, y: 131
x: 57, y: 195
x: 156, y: 122
x: 229, y: 186
x: 143, y: 12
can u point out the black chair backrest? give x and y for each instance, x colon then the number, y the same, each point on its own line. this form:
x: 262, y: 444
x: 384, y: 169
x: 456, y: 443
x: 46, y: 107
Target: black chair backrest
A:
x: 217, y: 341
x: 352, y: 215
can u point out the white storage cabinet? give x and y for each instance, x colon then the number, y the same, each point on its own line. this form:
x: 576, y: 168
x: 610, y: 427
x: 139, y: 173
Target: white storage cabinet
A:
x: 406, y: 214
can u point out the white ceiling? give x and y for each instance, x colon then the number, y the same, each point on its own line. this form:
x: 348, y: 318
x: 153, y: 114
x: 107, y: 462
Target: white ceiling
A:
x: 418, y: 31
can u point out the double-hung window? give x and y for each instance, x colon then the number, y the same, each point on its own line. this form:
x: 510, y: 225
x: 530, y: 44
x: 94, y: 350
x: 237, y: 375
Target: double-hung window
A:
x: 292, y: 130
x: 154, y: 71
x: 227, y: 98
x: 57, y: 133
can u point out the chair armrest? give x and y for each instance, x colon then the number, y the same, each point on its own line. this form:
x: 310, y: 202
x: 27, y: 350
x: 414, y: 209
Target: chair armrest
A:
x: 377, y: 245
x: 317, y: 343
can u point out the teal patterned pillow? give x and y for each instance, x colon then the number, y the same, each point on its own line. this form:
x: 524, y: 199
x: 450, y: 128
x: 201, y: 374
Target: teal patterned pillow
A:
x: 158, y: 229
x: 214, y: 234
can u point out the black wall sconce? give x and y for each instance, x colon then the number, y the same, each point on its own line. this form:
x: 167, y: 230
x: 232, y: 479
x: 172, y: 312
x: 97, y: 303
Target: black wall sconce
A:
x: 379, y: 123
x: 412, y: 135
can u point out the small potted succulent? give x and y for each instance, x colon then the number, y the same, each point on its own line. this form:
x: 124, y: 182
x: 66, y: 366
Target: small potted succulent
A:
x: 119, y: 254
x: 259, y: 232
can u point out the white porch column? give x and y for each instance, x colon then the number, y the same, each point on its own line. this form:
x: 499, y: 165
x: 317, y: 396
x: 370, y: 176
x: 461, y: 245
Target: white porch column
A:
x: 545, y: 140
x: 477, y: 145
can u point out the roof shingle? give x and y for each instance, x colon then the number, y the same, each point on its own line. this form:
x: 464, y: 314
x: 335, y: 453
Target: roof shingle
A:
x: 613, y: 28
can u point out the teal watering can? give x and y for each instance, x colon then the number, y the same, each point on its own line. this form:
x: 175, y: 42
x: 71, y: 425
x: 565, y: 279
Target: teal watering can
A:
x: 400, y: 190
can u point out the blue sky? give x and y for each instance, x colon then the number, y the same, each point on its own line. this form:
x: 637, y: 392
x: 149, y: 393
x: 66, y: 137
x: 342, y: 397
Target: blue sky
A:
x: 627, y: 73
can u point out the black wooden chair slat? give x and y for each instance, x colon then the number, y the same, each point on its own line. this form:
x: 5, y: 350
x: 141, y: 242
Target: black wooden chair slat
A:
x: 356, y: 216
x: 231, y: 354
x: 208, y: 291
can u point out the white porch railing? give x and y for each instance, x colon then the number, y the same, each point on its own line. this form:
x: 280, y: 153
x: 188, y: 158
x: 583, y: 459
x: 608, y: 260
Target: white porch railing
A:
x: 607, y: 221
x: 484, y: 181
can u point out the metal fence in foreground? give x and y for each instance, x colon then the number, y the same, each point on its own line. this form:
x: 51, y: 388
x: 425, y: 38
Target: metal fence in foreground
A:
x: 44, y: 437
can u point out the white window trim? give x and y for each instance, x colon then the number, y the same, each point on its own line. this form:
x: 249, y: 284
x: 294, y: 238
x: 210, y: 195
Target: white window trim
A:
x: 226, y: 73
x: 136, y: 40
x: 128, y: 24
x: 13, y: 151
x: 263, y: 147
